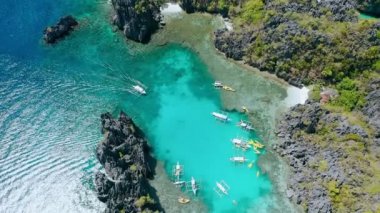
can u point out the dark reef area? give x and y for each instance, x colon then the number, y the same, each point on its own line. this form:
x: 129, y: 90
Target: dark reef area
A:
x: 60, y: 30
x: 125, y: 156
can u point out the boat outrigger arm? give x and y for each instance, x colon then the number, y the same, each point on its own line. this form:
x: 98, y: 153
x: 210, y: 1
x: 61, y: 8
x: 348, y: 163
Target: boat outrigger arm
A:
x: 218, y: 84
x: 221, y: 188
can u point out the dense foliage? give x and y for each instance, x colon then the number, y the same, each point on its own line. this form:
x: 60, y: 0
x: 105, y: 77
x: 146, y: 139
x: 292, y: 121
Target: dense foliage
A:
x: 369, y: 6
x: 211, y: 6
x: 305, y: 42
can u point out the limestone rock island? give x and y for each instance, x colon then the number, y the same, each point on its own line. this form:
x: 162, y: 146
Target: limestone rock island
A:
x: 60, y: 30
x: 124, y: 154
x: 138, y: 19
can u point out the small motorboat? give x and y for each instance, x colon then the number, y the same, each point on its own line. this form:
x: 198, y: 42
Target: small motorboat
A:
x: 238, y: 159
x: 183, y: 200
x: 227, y: 88
x: 218, y: 84
x: 221, y: 188
x: 139, y: 89
x: 220, y: 116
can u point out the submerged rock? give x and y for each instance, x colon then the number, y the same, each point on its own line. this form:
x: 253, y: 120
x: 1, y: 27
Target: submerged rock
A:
x: 138, y: 19
x: 61, y: 29
x: 124, y: 154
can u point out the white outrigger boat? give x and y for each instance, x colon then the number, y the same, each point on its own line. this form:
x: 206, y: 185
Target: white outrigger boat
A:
x: 178, y: 170
x: 238, y: 159
x: 139, y: 89
x: 194, y: 186
x: 246, y: 125
x: 177, y: 173
x: 218, y: 84
x: 221, y: 188
x: 240, y: 143
x: 220, y: 116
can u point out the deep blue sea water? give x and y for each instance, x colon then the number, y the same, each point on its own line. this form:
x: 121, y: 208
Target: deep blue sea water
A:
x: 51, y: 98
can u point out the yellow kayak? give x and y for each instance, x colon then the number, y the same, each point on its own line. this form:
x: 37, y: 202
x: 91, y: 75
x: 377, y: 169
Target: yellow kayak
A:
x: 227, y: 88
x: 256, y: 144
x: 250, y: 165
x: 183, y: 200
x: 257, y: 173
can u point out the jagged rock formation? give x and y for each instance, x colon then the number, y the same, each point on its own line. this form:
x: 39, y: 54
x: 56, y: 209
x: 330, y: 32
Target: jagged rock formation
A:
x: 372, y: 108
x: 138, y: 19
x: 333, y: 167
x: 61, y: 29
x: 124, y: 154
x: 303, y: 53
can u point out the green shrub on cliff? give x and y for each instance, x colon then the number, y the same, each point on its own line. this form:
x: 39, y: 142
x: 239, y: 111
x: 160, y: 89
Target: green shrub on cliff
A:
x: 350, y: 96
x: 253, y: 11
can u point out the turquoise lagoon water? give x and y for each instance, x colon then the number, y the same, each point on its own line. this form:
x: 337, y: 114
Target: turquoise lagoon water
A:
x: 51, y: 98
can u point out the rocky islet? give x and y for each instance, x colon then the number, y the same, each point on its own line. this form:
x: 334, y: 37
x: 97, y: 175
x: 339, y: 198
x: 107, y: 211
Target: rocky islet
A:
x: 124, y: 154
x: 60, y: 30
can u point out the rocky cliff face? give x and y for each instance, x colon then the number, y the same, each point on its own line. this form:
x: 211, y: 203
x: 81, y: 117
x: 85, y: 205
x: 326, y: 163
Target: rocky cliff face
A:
x: 125, y: 157
x: 138, y: 19
x: 61, y: 29
x: 295, y: 41
x: 333, y: 164
x: 372, y: 108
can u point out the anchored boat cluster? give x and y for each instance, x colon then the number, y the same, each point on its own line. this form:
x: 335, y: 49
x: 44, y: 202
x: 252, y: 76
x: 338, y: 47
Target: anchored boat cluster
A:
x: 190, y: 186
x: 241, y: 143
x: 221, y: 187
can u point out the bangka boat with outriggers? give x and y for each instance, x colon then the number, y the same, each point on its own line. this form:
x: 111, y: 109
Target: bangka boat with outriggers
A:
x: 218, y: 84
x: 193, y: 186
x: 245, y: 125
x: 241, y: 143
x: 177, y: 172
x: 221, y: 188
x: 238, y: 159
x: 221, y: 116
